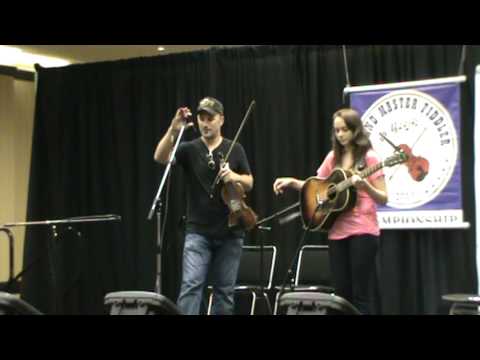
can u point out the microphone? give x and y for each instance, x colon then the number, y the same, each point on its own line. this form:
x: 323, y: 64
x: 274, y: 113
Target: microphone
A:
x: 264, y: 228
x: 187, y: 114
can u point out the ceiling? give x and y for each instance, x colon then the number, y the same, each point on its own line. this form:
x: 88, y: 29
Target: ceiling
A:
x: 94, y: 53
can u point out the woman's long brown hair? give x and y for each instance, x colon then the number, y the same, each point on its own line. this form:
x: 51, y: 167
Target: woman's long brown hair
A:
x: 361, y: 143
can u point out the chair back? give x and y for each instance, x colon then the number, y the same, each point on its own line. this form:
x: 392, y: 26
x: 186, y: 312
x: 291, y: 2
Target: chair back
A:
x: 313, y: 267
x: 250, y: 272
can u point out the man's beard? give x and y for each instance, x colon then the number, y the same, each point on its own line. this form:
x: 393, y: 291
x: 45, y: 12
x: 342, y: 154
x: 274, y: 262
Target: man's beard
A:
x: 208, y: 134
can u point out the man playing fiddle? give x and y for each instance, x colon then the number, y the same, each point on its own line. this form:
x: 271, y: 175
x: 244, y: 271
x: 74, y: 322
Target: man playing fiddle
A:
x: 211, y: 246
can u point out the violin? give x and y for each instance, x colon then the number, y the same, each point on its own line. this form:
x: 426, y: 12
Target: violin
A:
x: 233, y: 193
x: 417, y: 166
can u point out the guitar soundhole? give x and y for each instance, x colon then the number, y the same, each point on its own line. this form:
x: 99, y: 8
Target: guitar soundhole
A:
x: 331, y: 192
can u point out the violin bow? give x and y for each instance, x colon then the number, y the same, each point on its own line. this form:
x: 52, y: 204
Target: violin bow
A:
x: 217, y: 179
x: 390, y: 143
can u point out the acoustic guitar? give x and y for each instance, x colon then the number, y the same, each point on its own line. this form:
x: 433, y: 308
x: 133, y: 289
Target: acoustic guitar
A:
x: 322, y: 201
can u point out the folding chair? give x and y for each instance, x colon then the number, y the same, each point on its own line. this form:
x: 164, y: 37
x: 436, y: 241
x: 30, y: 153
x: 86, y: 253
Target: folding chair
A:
x: 251, y: 278
x: 312, y: 272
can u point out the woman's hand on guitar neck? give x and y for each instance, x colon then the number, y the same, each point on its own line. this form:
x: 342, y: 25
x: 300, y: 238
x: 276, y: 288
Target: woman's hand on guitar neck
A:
x: 283, y: 183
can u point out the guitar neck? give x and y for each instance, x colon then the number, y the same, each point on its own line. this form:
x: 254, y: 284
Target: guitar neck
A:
x: 372, y: 169
x: 345, y: 184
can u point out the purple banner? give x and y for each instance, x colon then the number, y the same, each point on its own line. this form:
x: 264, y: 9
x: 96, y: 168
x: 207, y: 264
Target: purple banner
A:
x: 424, y: 121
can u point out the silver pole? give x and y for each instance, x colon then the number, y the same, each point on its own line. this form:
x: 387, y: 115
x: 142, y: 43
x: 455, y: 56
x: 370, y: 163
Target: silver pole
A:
x: 157, y: 205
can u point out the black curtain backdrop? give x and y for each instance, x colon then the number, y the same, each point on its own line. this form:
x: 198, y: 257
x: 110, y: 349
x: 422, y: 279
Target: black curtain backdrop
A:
x: 97, y: 125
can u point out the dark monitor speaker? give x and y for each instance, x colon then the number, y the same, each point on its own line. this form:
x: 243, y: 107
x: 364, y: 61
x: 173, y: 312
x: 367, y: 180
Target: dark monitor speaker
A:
x: 12, y: 305
x: 463, y: 304
x: 139, y: 303
x: 315, y: 303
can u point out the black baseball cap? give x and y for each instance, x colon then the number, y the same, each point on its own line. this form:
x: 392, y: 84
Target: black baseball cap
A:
x: 210, y: 105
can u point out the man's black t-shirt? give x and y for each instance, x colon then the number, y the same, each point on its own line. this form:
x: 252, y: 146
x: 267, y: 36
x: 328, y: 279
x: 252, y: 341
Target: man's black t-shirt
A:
x: 205, y: 215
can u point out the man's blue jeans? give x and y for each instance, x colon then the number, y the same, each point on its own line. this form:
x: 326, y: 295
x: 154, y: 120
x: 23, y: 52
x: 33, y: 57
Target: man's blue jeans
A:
x: 220, y: 257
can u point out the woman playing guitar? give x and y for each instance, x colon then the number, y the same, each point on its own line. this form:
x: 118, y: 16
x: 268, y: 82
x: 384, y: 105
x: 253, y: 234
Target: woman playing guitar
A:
x: 353, y: 236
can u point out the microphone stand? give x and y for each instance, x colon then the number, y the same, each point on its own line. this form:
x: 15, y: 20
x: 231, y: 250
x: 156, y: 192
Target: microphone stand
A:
x: 51, y: 245
x: 11, y: 257
x: 157, y: 205
x: 281, y: 221
x: 290, y: 277
x: 278, y: 214
x: 262, y: 287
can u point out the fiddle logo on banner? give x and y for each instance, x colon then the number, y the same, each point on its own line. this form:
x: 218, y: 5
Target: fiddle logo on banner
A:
x: 422, y: 119
x: 421, y: 127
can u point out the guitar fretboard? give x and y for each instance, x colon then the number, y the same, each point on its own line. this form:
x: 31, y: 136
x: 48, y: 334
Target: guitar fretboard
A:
x: 345, y: 184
